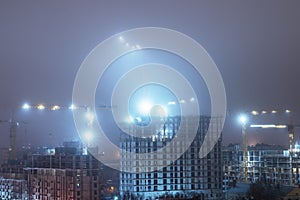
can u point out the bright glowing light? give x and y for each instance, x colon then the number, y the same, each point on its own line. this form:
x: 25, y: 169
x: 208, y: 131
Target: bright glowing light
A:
x: 121, y: 39
x: 129, y: 120
x: 192, y: 99
x: 72, y: 107
x: 243, y: 119
x: 88, y: 136
x: 287, y: 111
x: 263, y: 112
x: 138, y: 119
x: 145, y: 107
x: 254, y: 112
x: 40, y: 107
x: 55, y: 107
x: 274, y: 111
x: 26, y: 106
x: 171, y: 103
x: 267, y: 126
x: 90, y: 117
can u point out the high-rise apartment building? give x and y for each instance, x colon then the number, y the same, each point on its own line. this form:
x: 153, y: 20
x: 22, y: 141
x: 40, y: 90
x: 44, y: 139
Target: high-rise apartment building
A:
x: 151, y: 176
x: 13, y: 189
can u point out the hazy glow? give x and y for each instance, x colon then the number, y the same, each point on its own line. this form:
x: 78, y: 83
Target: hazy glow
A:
x: 287, y: 111
x: 243, y: 119
x: 121, y: 39
x: 254, y: 112
x: 55, y: 107
x: 88, y: 136
x: 171, y: 103
x: 72, y: 107
x: 267, y: 126
x: 26, y: 106
x: 144, y: 106
x: 40, y: 107
x: 129, y: 120
x: 138, y: 119
x: 158, y: 111
x: 274, y: 111
x: 90, y: 117
x: 263, y: 112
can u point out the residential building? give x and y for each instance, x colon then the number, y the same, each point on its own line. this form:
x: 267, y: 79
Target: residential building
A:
x: 186, y: 177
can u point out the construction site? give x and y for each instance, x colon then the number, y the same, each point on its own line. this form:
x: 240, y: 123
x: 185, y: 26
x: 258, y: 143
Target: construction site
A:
x: 186, y: 177
x: 78, y: 175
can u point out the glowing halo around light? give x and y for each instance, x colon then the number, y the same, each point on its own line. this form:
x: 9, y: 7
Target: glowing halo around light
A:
x: 175, y: 82
x: 145, y: 106
x: 100, y: 58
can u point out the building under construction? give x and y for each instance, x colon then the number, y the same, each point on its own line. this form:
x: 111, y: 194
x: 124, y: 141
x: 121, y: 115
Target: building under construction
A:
x: 265, y: 163
x: 188, y: 176
x: 13, y: 189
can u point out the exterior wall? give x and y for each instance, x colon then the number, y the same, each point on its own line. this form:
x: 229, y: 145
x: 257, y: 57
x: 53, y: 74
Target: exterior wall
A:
x: 278, y: 169
x: 265, y: 163
x: 13, y: 189
x: 187, y: 176
x: 65, y: 177
x: 63, y: 184
x: 4, y: 155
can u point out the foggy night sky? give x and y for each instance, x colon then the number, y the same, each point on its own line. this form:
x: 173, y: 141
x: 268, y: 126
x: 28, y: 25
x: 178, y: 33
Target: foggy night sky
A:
x: 255, y: 44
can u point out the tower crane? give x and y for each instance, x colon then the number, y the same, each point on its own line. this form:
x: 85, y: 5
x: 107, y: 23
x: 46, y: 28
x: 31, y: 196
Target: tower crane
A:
x: 291, y: 131
x: 13, y: 124
x: 243, y: 120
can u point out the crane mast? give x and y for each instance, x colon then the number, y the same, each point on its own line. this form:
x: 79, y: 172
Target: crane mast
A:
x: 291, y: 132
x: 245, y: 149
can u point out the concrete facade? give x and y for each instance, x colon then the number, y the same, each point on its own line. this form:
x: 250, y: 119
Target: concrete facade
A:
x: 188, y: 176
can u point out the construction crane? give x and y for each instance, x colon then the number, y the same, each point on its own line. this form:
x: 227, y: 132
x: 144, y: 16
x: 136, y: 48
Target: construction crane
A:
x: 289, y: 127
x: 291, y: 131
x: 244, y: 122
x: 13, y: 124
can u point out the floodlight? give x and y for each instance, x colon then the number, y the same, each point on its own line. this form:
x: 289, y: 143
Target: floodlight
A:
x: 55, y: 107
x: 144, y: 107
x: 72, y: 107
x: 182, y: 101
x: 243, y: 119
x: 171, y: 103
x: 26, y: 106
x: 254, y: 112
x: 40, y: 107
